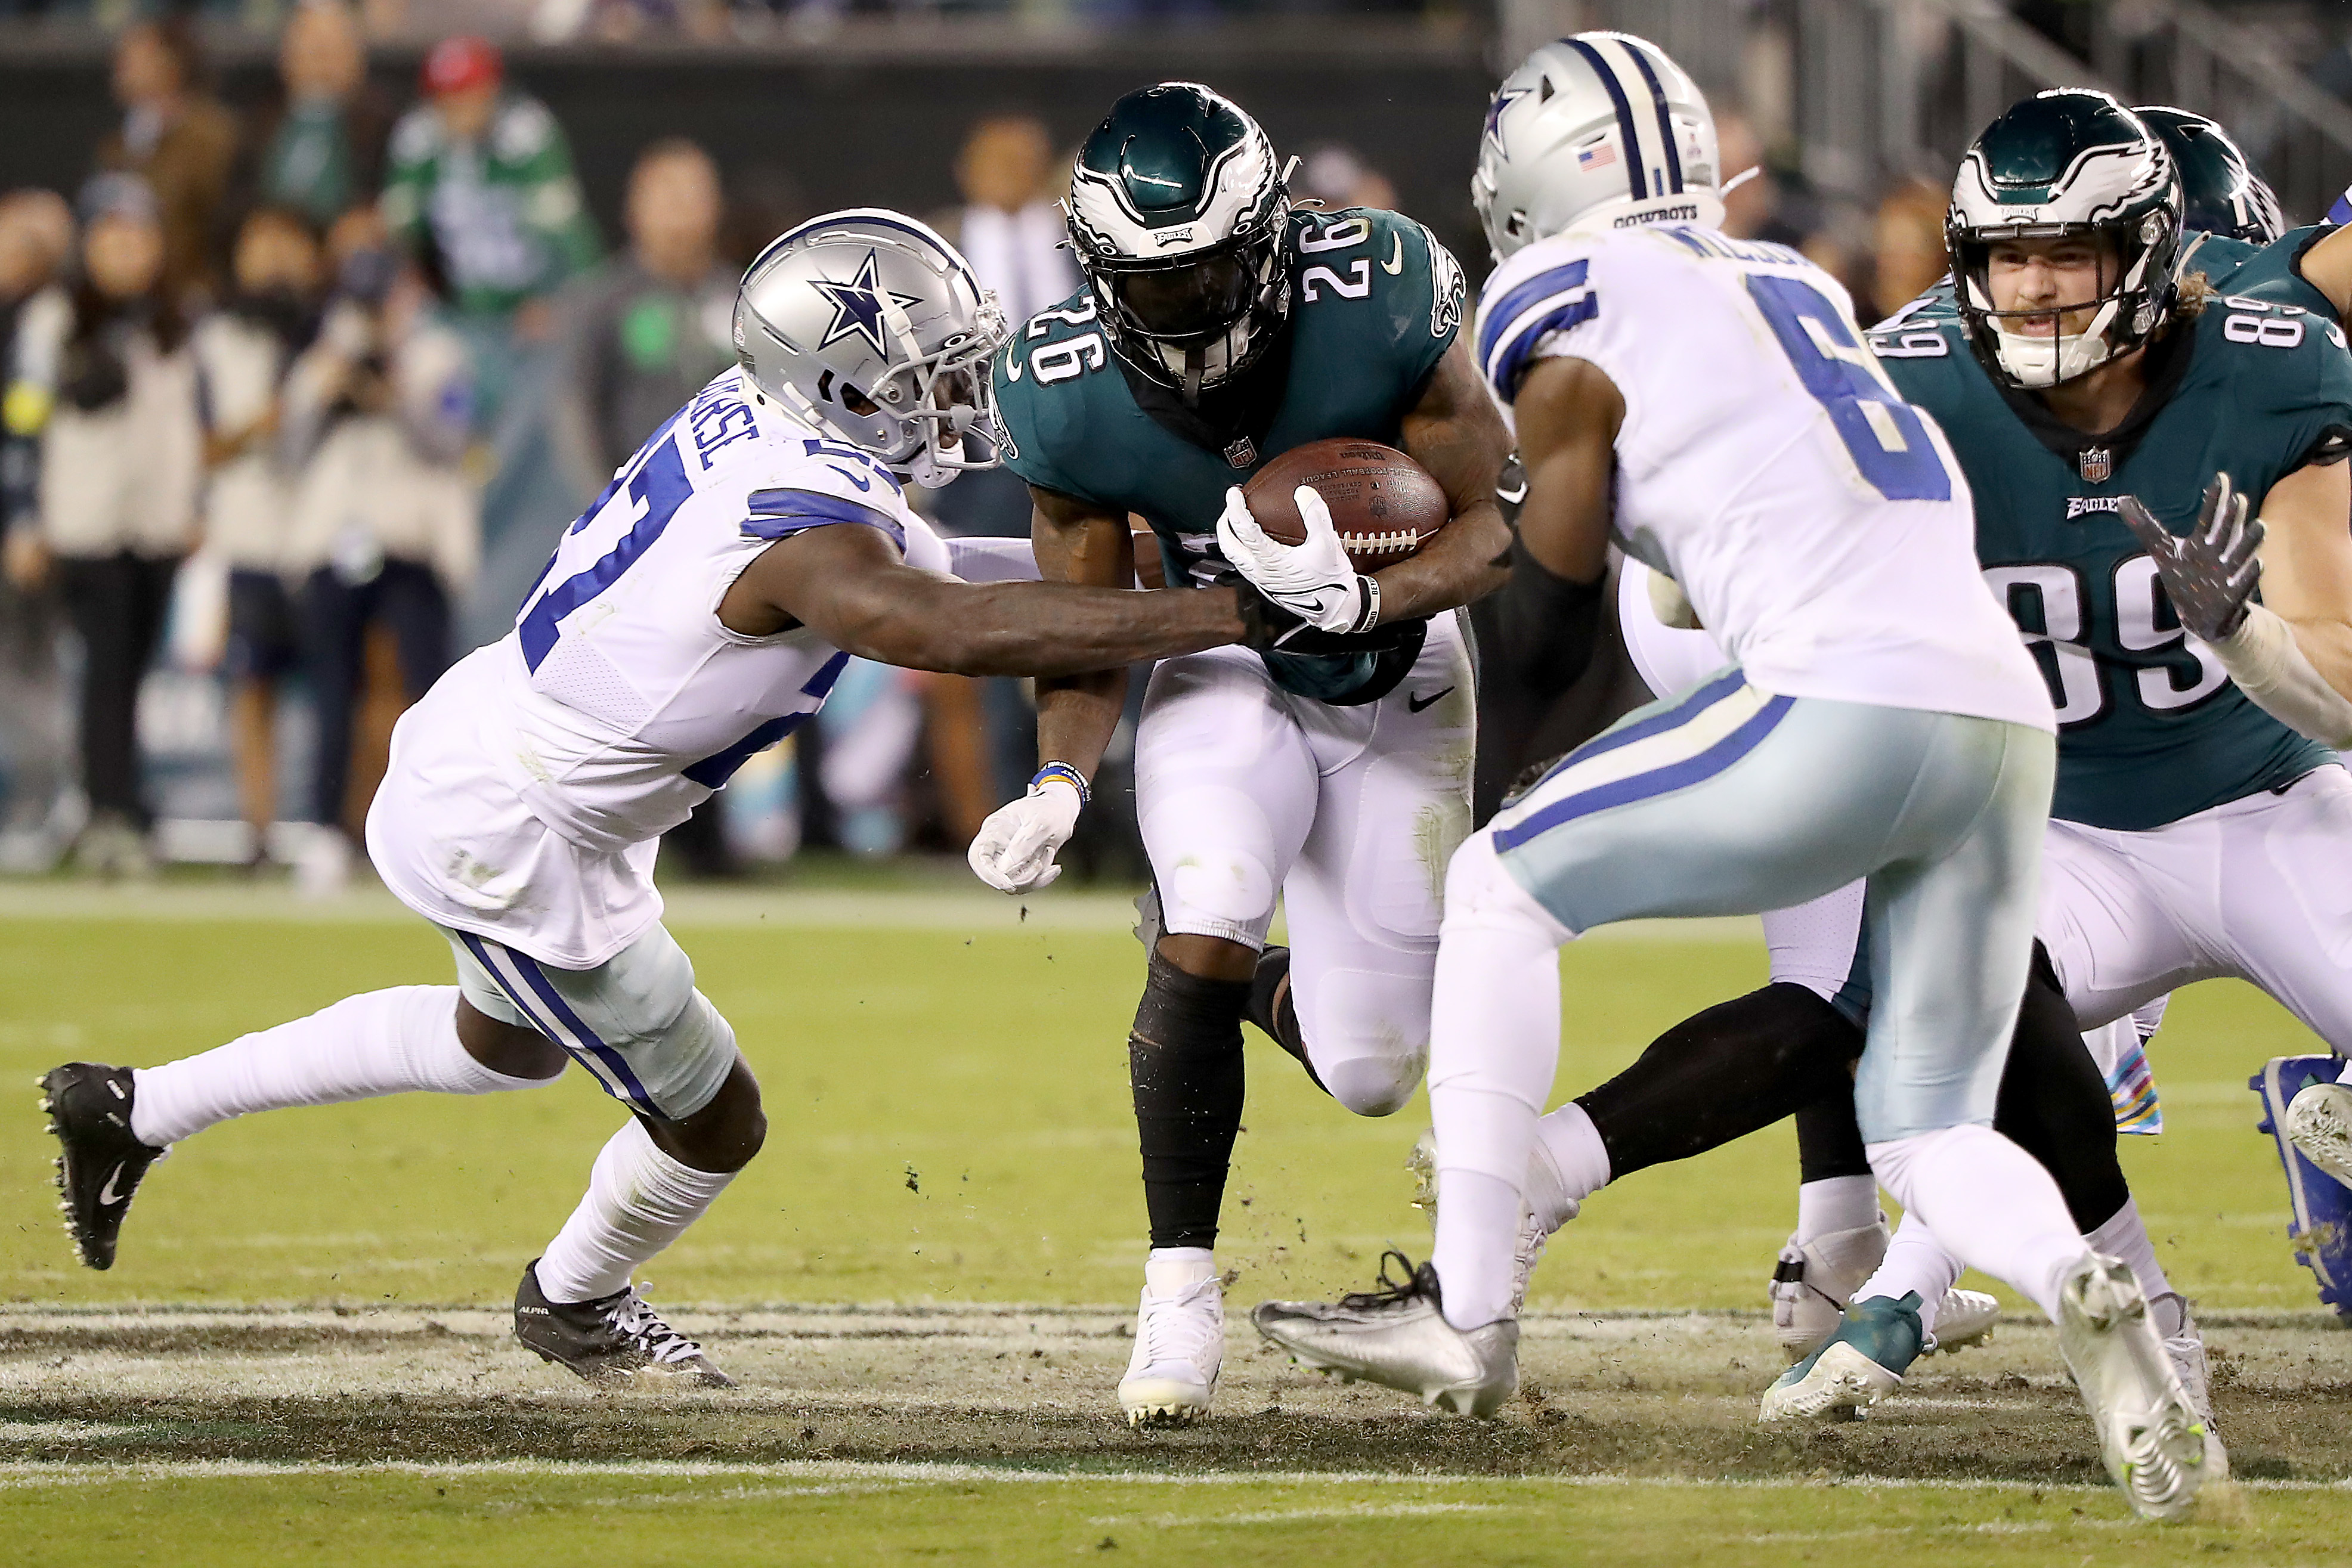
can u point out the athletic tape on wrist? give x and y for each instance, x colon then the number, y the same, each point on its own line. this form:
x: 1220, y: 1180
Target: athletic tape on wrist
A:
x: 1370, y: 589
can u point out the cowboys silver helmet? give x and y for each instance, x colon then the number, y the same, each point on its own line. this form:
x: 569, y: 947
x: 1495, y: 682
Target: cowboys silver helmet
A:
x: 868, y: 323
x: 1599, y: 130
x: 1177, y: 214
x: 2069, y: 163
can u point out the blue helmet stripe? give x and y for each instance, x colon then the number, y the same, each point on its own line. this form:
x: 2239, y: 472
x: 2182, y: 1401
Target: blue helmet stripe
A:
x: 1637, y: 179
x: 1666, y: 120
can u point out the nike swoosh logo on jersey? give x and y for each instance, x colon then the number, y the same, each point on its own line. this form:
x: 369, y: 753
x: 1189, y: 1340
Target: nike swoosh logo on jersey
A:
x: 1395, y: 263
x: 1417, y: 704
x: 106, y: 1194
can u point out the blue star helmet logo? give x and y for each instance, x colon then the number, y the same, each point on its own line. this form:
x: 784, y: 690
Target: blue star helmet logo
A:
x: 1503, y: 100
x: 857, y: 307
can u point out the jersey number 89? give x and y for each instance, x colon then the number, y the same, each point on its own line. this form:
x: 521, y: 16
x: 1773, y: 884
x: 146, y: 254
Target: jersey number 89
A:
x: 2078, y: 688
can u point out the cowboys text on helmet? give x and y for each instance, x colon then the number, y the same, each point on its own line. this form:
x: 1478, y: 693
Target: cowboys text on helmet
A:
x: 1595, y: 131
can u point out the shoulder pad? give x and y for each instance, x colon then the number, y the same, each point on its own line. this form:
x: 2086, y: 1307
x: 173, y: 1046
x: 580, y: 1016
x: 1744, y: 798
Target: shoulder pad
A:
x: 1545, y: 288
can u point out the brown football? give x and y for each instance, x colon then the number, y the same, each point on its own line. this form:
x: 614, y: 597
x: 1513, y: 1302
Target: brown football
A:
x: 1385, y: 505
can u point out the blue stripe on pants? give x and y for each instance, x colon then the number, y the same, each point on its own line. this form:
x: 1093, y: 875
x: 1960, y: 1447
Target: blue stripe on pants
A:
x: 1673, y: 776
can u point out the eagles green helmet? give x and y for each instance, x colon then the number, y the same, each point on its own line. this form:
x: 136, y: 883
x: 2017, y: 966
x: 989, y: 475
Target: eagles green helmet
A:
x: 1177, y: 211
x: 2219, y: 192
x: 2065, y: 163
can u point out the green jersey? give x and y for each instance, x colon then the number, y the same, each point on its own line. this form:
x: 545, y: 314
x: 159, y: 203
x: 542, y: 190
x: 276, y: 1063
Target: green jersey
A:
x: 505, y: 211
x: 2150, y: 728
x: 1375, y: 302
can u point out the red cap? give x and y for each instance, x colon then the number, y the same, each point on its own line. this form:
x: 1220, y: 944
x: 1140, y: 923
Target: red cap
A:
x: 457, y: 64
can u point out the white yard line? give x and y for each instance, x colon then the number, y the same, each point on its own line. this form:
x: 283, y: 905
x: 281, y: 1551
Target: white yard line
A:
x: 776, y: 908
x: 29, y: 1473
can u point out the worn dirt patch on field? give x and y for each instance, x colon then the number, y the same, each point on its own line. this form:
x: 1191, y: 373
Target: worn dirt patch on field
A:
x: 1665, y: 1395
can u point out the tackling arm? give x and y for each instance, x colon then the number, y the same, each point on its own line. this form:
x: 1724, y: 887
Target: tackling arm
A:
x: 1569, y: 412
x: 1455, y: 433
x: 847, y: 583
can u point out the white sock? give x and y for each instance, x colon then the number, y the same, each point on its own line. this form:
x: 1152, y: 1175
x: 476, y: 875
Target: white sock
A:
x: 1581, y: 1160
x: 1914, y: 1260
x: 2124, y: 1236
x: 1835, y: 1203
x: 1172, y: 1271
x: 1989, y: 1202
x: 1494, y: 1049
x: 640, y: 1200
x: 382, y: 1043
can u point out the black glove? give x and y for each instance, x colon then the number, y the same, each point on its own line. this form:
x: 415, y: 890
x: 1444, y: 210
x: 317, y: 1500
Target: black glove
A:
x: 2210, y: 572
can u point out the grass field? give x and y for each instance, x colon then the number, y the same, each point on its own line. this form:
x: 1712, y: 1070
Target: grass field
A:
x: 304, y: 1296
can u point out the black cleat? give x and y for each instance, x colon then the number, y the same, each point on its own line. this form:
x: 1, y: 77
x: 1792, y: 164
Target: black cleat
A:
x: 100, y: 1162
x: 614, y: 1339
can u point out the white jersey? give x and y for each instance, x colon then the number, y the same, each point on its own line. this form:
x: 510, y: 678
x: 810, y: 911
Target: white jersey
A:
x: 1817, y: 523
x: 528, y: 790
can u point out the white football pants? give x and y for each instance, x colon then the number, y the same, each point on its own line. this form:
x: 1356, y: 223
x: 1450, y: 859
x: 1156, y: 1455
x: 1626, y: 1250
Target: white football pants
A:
x: 1245, y: 791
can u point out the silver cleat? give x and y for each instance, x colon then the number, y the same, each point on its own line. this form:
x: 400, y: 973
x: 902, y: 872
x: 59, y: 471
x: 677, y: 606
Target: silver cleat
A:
x: 2150, y: 1436
x: 1397, y: 1338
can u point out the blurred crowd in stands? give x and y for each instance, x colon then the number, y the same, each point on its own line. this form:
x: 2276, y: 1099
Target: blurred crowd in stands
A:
x: 297, y: 398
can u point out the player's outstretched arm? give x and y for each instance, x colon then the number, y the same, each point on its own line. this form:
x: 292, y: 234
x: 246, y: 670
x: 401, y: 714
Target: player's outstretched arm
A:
x: 2327, y: 267
x: 2292, y: 655
x: 1455, y: 433
x: 847, y: 583
x: 1569, y: 412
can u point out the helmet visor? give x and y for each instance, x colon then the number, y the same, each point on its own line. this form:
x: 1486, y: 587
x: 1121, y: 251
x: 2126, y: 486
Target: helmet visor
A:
x: 1198, y: 299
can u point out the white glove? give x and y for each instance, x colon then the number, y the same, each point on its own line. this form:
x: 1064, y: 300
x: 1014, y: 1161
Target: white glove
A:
x: 1013, y: 851
x: 1315, y: 581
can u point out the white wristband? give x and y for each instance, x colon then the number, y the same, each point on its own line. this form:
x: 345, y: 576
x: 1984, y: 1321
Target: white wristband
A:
x: 2262, y: 657
x: 1368, y: 588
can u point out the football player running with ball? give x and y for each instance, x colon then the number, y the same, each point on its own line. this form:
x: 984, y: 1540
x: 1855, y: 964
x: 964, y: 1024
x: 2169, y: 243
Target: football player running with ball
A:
x: 699, y: 611
x: 1220, y: 328
x: 1710, y: 404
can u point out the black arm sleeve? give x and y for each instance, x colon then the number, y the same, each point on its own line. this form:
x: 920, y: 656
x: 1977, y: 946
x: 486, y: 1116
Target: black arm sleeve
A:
x: 1545, y: 626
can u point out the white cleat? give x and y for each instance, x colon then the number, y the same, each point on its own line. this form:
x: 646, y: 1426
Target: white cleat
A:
x: 1963, y: 1318
x: 1180, y: 1346
x: 1546, y: 1208
x: 2319, y: 1124
x: 2150, y: 1436
x: 1843, y: 1383
x: 1814, y: 1284
x: 1398, y: 1337
x: 2186, y: 1351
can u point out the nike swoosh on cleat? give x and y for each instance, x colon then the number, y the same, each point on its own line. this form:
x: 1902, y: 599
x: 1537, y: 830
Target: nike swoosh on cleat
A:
x: 106, y: 1195
x: 1417, y: 704
x: 1395, y: 263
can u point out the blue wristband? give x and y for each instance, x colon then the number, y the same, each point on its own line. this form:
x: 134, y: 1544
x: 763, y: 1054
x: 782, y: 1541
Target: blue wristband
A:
x: 1067, y: 775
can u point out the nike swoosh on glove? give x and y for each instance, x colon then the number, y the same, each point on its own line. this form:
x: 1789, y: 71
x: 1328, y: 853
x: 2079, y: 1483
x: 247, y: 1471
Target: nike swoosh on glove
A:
x: 1314, y: 581
x: 1013, y: 851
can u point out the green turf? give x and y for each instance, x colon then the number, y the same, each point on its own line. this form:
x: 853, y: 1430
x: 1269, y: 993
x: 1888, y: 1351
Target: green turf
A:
x: 446, y: 1520
x: 948, y: 1121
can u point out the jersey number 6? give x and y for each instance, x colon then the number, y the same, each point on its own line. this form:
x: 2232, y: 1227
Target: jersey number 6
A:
x: 1888, y: 442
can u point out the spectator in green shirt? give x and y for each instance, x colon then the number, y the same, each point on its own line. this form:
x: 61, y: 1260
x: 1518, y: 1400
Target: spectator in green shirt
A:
x: 481, y: 189
x: 319, y: 148
x: 484, y: 174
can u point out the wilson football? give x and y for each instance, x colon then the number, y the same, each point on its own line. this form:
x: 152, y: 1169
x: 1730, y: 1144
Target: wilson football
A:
x: 1385, y: 505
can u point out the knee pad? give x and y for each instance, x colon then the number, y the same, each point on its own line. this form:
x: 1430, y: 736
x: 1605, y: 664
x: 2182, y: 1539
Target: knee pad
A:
x: 1366, y: 1034
x: 653, y: 1038
x: 1219, y: 892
